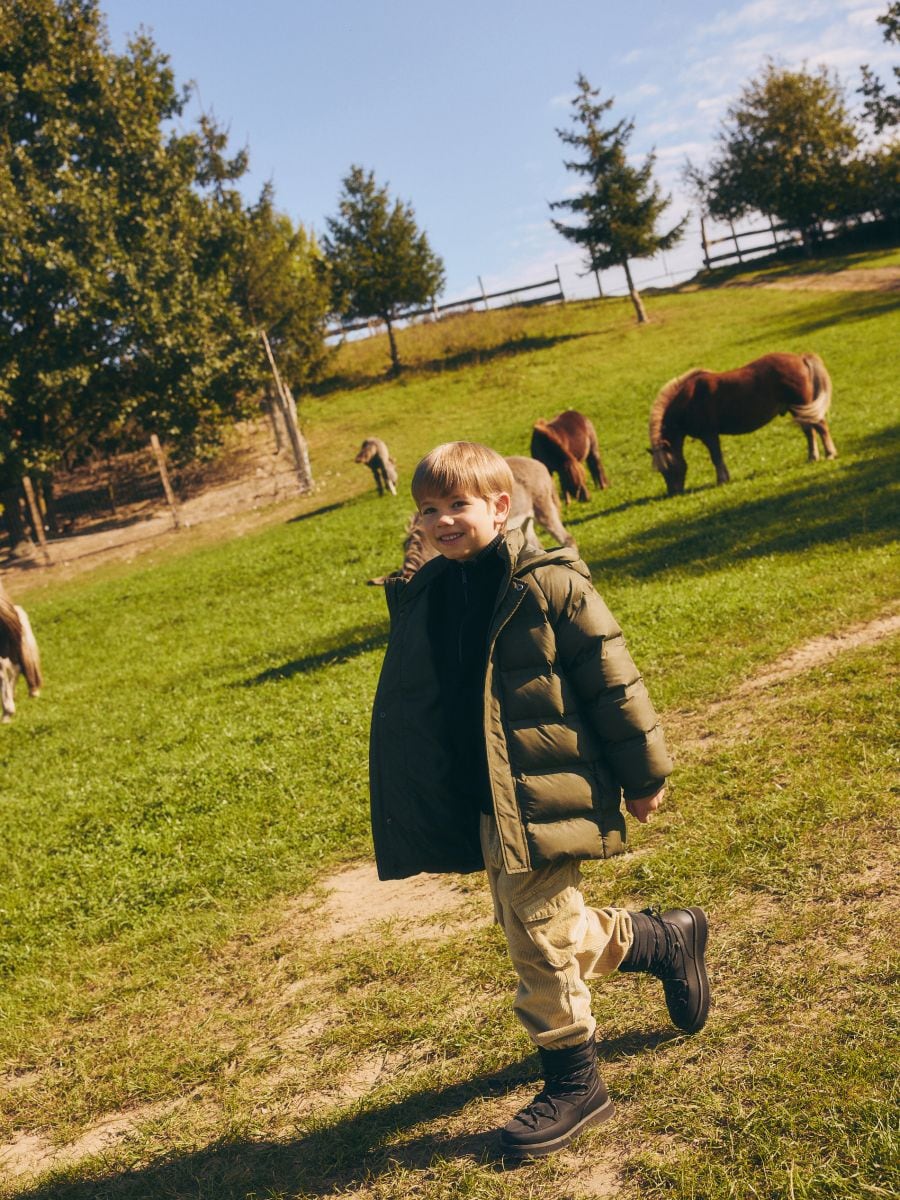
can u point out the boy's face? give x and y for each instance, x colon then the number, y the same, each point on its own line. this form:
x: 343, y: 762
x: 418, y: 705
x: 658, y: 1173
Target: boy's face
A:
x: 461, y: 525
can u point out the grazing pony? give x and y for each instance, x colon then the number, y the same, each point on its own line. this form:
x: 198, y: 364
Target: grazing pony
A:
x: 18, y: 653
x: 562, y: 445
x: 374, y: 454
x: 704, y: 404
x: 533, y: 499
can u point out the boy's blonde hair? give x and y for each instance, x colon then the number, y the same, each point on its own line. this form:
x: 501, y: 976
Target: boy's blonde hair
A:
x: 461, y: 467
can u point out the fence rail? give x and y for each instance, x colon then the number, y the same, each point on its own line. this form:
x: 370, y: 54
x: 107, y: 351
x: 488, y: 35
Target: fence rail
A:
x: 482, y: 298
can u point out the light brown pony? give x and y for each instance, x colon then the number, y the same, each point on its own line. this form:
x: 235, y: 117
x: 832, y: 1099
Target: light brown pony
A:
x: 562, y: 445
x: 18, y: 653
x: 533, y: 500
x: 704, y: 404
x: 374, y: 454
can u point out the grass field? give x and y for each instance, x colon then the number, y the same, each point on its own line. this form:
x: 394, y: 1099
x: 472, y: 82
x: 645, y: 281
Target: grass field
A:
x: 197, y: 766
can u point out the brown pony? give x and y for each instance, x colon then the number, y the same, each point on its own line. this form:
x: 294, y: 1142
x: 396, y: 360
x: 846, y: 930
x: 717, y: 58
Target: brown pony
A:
x: 18, y: 653
x: 704, y: 404
x: 533, y: 499
x: 562, y: 445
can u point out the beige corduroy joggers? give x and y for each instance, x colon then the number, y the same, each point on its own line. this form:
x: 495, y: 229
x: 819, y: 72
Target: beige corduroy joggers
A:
x: 556, y: 943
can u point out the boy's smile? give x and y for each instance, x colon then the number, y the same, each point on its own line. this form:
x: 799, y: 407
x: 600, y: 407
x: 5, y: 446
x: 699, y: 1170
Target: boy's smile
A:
x: 459, y: 526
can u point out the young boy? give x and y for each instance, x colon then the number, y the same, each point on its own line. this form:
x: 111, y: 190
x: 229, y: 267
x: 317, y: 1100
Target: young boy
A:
x: 509, y: 722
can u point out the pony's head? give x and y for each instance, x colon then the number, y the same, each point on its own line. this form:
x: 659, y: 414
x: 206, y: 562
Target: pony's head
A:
x: 671, y: 465
x: 572, y: 478
x: 367, y: 452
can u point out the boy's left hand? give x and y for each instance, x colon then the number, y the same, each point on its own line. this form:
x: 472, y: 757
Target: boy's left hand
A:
x: 641, y: 808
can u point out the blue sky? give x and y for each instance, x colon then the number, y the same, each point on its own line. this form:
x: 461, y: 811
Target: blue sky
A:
x: 455, y: 104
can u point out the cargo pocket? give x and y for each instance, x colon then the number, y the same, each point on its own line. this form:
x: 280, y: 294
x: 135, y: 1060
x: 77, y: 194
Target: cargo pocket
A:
x: 556, y: 925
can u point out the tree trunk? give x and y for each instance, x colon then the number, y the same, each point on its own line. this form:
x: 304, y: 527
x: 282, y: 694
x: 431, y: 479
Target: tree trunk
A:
x: 46, y: 486
x: 635, y: 295
x: 275, y: 419
x: 10, y: 498
x: 395, y: 357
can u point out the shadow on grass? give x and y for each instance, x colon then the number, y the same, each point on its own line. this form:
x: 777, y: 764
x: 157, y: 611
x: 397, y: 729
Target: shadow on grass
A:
x: 857, y: 504
x: 844, y: 307
x: 316, y: 512
x: 450, y: 362
x: 331, y: 1156
x: 352, y: 643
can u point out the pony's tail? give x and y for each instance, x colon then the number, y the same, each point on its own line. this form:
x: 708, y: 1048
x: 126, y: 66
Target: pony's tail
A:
x: 30, y: 656
x: 818, y: 406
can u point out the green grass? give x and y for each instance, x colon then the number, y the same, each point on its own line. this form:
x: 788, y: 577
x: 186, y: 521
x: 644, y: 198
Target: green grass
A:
x: 198, y: 761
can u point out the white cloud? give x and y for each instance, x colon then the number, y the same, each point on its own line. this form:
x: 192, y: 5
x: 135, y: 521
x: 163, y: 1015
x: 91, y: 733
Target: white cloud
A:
x: 766, y: 13
x: 563, y: 100
x: 642, y: 92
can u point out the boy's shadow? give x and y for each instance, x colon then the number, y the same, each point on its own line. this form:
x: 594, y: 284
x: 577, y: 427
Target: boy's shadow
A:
x: 334, y: 1157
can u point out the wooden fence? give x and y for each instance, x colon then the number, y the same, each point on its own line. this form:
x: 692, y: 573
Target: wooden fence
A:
x: 434, y: 310
x: 741, y: 254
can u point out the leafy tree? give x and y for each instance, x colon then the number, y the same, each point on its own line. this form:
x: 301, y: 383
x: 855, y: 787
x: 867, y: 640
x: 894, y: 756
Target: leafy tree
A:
x: 621, y: 205
x: 786, y: 148
x: 881, y: 107
x: 116, y: 242
x: 380, y: 262
x: 284, y: 287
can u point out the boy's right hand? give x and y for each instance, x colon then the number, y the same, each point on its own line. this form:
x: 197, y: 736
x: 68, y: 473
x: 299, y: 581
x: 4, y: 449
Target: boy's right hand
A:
x: 641, y: 808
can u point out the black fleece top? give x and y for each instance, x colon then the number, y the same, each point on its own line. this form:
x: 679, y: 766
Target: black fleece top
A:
x: 460, y: 607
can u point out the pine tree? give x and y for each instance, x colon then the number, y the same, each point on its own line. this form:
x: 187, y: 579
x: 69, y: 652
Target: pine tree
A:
x: 380, y: 262
x: 621, y: 205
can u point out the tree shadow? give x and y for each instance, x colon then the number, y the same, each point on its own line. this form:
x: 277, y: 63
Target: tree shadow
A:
x: 332, y: 1155
x: 450, y: 362
x: 349, y: 644
x: 857, y: 504
x: 844, y: 307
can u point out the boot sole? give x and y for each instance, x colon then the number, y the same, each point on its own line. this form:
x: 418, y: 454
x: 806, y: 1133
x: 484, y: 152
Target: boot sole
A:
x: 698, y: 949
x: 539, y: 1149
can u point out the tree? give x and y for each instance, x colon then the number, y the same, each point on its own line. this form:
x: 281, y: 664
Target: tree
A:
x: 881, y: 107
x: 117, y: 238
x: 621, y: 205
x: 787, y: 148
x: 284, y: 287
x: 380, y: 262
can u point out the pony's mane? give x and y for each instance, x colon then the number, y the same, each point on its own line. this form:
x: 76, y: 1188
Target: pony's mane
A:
x: 9, y: 616
x: 667, y: 394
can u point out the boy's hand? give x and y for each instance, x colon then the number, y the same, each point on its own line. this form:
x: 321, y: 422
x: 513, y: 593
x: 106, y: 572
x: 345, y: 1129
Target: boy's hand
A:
x: 641, y: 808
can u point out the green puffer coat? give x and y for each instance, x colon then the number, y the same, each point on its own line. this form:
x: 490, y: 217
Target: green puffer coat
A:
x: 568, y: 726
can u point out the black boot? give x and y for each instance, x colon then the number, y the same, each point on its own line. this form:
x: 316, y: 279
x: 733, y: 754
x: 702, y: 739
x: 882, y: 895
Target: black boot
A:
x: 671, y: 946
x: 573, y: 1097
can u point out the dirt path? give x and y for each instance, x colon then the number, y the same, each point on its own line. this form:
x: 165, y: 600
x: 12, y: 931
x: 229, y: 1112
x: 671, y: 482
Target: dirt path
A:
x: 425, y: 906
x: 866, y: 279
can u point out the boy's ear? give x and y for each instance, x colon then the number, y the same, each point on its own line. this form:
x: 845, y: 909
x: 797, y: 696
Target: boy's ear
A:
x: 502, y: 503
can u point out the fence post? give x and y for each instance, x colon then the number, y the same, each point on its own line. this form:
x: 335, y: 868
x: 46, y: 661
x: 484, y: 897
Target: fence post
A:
x: 37, y: 518
x: 774, y: 236
x: 483, y: 293
x: 704, y: 243
x: 164, y: 476
x: 737, y: 244
x: 562, y: 294
x: 289, y: 411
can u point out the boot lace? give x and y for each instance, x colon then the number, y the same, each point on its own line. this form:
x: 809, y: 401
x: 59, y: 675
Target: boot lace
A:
x: 544, y: 1106
x: 669, y: 952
